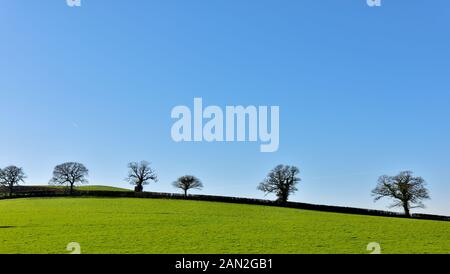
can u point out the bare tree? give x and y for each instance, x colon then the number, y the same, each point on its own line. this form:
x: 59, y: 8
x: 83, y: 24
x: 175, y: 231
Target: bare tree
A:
x: 281, y: 181
x: 188, y: 182
x: 70, y: 174
x: 11, y: 176
x: 140, y: 174
x: 406, y: 191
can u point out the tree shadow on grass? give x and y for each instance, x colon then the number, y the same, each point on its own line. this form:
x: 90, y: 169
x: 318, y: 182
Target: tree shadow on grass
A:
x: 6, y: 227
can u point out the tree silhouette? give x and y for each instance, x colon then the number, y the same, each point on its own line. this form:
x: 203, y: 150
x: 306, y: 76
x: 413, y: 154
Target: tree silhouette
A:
x: 188, y: 182
x: 140, y: 174
x: 281, y: 181
x: 406, y: 191
x: 70, y: 174
x: 11, y: 176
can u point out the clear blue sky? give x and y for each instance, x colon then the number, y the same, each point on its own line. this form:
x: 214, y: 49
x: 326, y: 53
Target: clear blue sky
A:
x: 362, y: 91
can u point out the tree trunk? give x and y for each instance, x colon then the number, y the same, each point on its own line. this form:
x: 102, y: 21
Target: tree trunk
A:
x: 283, y: 198
x: 406, y: 208
x: 11, y: 190
x: 71, y: 189
x: 139, y: 188
x: 185, y: 193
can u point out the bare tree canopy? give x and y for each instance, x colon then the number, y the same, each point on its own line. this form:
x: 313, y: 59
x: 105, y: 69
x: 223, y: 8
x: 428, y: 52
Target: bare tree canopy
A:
x: 141, y: 174
x: 281, y: 181
x: 70, y: 174
x: 188, y: 182
x: 406, y: 191
x: 11, y: 176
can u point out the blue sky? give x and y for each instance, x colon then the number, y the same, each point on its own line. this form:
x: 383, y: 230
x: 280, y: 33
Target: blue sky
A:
x: 362, y: 91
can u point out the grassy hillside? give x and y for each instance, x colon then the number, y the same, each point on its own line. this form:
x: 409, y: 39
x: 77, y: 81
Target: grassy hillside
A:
x: 38, y: 188
x: 104, y: 225
x: 101, y: 188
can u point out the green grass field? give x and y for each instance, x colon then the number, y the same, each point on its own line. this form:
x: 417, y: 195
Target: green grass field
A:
x: 101, y: 188
x: 88, y: 188
x: 103, y: 225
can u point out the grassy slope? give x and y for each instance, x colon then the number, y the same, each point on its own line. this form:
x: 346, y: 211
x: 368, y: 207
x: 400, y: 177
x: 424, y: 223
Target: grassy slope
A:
x: 103, y: 225
x: 85, y: 187
x: 101, y: 188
